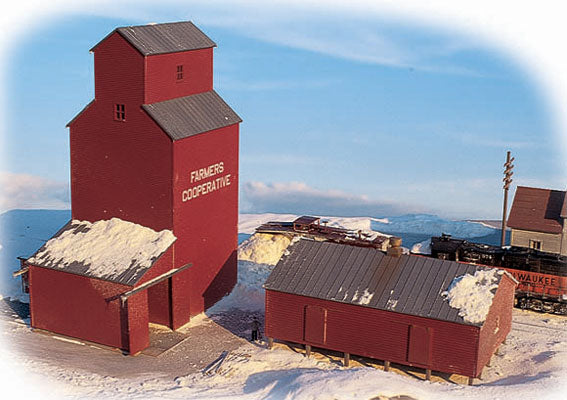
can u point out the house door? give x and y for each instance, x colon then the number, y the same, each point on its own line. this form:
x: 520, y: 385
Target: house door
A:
x: 160, y: 302
x: 419, y: 345
x: 315, y: 326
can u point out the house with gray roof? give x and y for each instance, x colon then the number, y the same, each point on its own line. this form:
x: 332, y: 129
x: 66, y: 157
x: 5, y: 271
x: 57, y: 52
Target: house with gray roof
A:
x: 538, y: 219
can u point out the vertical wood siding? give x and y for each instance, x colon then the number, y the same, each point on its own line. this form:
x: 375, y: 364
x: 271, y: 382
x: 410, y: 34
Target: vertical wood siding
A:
x: 376, y: 334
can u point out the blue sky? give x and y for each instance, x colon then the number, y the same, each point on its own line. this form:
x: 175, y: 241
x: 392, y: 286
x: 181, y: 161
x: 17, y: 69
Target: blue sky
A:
x: 345, y: 114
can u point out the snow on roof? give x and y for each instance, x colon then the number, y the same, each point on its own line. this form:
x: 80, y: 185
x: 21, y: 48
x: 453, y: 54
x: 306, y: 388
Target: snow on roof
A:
x: 472, y: 294
x: 368, y: 277
x: 113, y: 250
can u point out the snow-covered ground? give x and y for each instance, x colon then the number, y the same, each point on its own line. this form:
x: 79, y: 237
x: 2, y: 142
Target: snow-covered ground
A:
x: 531, y: 365
x: 247, y: 223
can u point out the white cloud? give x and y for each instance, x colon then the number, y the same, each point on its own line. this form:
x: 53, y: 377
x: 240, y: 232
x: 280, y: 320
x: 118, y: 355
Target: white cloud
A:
x: 300, y: 198
x: 23, y: 191
x: 361, y: 31
x: 373, y: 38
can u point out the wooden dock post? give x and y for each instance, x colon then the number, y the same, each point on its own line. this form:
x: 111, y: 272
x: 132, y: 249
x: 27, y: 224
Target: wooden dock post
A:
x: 270, y: 343
x: 386, y: 366
x: 470, y: 380
x: 346, y: 360
x: 428, y: 374
x: 307, y: 350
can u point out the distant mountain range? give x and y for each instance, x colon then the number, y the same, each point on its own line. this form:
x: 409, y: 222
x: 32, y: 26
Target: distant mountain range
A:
x: 431, y: 225
x: 416, y: 228
x: 25, y: 231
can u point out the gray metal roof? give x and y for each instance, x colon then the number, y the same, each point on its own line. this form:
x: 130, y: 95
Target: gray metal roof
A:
x: 171, y: 37
x: 408, y: 284
x: 130, y: 276
x: 187, y: 116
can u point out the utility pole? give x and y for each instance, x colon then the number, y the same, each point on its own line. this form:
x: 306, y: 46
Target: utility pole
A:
x: 508, y: 166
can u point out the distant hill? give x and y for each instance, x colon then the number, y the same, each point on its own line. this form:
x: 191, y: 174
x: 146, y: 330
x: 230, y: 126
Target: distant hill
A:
x: 25, y: 231
x: 22, y: 233
x: 431, y: 225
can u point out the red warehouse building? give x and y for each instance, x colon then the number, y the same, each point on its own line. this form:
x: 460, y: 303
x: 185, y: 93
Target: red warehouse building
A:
x: 358, y: 300
x: 157, y: 147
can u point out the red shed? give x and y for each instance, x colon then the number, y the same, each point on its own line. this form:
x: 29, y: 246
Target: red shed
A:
x: 358, y: 300
x: 90, y: 281
x: 157, y: 147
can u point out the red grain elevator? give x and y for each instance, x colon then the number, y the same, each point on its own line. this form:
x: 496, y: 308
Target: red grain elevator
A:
x: 159, y: 147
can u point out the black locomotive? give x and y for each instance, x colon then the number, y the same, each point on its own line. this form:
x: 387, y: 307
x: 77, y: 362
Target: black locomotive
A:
x: 542, y: 276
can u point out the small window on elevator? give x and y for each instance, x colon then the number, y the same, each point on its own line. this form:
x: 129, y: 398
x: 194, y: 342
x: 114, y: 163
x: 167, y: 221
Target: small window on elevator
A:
x: 119, y: 112
x: 179, y: 73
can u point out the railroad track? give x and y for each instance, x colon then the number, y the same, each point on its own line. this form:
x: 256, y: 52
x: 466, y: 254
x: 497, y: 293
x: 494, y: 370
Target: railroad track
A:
x: 554, y: 328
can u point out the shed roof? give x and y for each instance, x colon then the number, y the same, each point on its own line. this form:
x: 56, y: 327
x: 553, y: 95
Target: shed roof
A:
x: 538, y: 210
x: 187, y: 116
x: 306, y: 220
x: 112, y: 250
x: 367, y: 277
x: 170, y: 37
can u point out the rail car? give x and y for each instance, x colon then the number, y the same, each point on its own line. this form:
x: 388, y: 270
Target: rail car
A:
x: 314, y: 228
x: 542, y: 276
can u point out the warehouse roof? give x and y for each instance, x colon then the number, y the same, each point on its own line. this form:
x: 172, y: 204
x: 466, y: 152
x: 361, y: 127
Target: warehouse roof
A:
x: 187, y: 116
x: 171, y: 37
x: 538, y: 210
x: 407, y: 284
x: 112, y: 250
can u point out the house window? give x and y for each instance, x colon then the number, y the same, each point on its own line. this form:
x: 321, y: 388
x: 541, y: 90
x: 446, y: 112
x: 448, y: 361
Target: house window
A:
x: 535, y: 244
x: 179, y: 74
x: 119, y: 112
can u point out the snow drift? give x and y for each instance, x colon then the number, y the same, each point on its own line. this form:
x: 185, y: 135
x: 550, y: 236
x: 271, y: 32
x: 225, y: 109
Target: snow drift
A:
x: 263, y: 248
